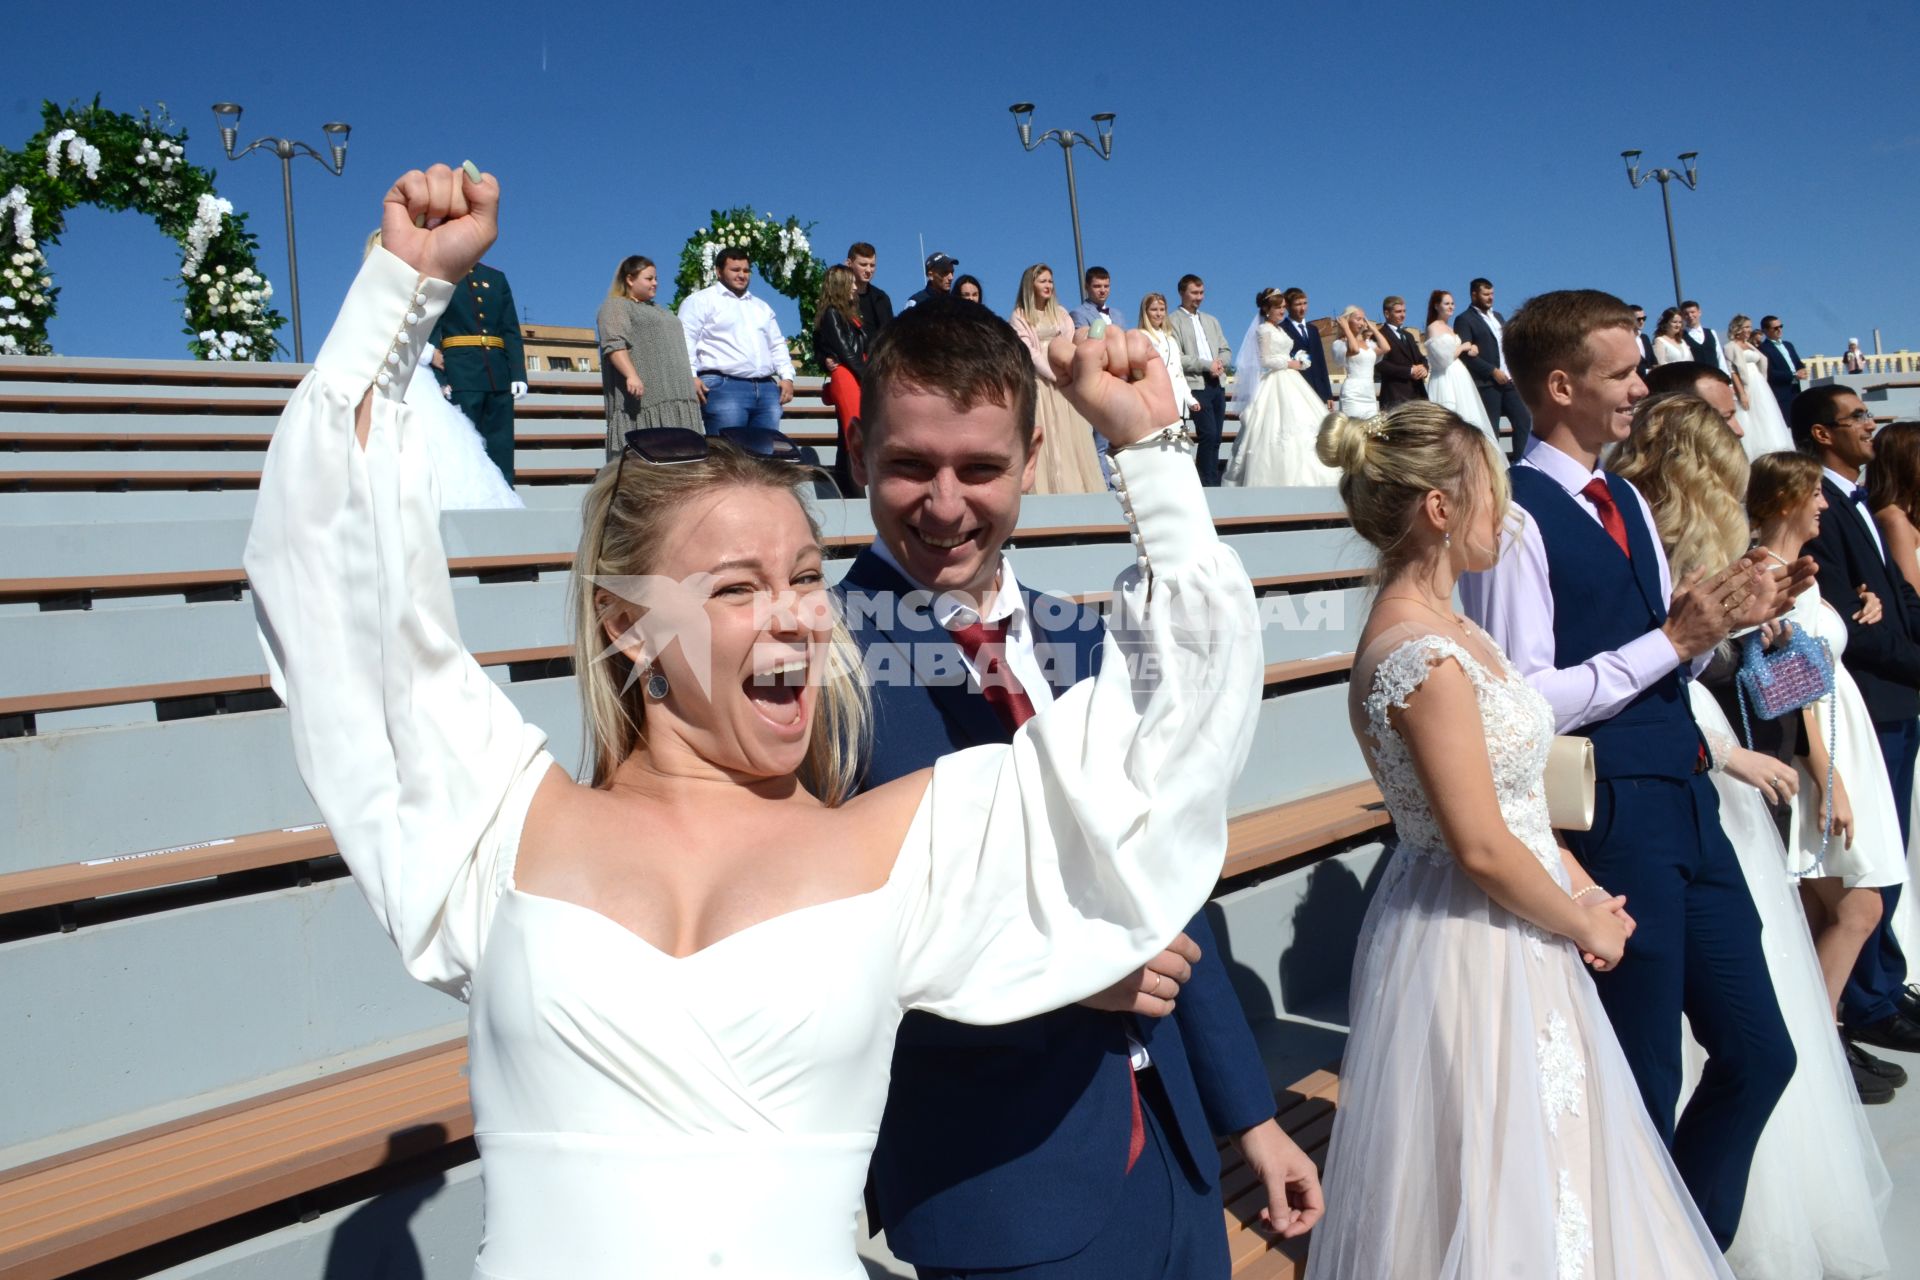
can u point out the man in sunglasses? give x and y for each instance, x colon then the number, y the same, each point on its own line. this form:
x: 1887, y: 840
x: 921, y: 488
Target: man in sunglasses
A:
x: 1079, y: 1143
x: 1785, y: 369
x: 1832, y: 424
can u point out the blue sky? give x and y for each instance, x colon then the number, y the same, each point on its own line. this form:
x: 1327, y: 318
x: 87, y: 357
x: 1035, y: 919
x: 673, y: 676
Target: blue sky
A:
x: 1397, y: 149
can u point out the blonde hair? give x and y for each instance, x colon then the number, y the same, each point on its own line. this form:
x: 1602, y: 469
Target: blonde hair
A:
x: 1779, y: 484
x: 626, y: 530
x: 839, y: 292
x: 1693, y: 474
x: 1029, y: 306
x: 1391, y: 461
x: 1738, y: 324
x: 630, y: 266
x: 1166, y: 325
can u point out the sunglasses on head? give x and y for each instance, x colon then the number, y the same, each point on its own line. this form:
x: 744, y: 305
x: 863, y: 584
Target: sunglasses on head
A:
x: 668, y: 446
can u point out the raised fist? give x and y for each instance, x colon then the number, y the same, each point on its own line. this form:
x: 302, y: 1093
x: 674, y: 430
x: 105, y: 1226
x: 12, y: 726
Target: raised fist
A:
x: 1117, y: 382
x: 441, y: 221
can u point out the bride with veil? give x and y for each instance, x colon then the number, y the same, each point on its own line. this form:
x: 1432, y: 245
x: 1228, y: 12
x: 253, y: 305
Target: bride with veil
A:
x: 1279, y: 412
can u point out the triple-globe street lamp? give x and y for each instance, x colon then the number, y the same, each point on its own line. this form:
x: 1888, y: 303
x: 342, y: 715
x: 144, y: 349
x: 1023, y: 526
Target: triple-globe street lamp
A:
x: 227, y: 115
x: 1068, y: 139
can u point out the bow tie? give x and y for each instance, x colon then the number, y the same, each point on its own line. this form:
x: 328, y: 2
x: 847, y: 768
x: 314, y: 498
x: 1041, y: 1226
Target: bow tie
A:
x: 1859, y: 494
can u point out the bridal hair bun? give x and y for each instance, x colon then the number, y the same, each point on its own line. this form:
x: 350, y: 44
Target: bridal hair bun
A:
x: 1391, y: 461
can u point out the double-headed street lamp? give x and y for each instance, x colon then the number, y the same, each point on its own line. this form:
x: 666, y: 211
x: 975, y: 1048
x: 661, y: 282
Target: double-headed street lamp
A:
x: 1068, y: 139
x: 1663, y: 177
x: 227, y: 114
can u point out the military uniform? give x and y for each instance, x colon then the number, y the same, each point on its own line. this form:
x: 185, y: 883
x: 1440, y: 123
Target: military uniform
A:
x: 479, y: 340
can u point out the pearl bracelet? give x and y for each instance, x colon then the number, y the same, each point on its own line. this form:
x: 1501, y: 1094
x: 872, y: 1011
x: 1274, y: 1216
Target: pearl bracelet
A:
x: 1592, y: 888
x: 1178, y: 434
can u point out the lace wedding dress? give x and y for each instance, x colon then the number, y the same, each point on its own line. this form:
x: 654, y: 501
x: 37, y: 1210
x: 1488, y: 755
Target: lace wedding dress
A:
x: 1489, y: 1124
x: 1450, y: 383
x: 1280, y: 417
x: 1766, y: 430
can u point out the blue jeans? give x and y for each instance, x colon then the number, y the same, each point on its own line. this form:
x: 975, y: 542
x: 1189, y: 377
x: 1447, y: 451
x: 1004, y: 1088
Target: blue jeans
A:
x: 739, y: 402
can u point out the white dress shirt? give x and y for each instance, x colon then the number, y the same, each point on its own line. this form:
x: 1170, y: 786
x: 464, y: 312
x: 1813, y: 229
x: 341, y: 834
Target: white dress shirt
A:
x: 1500, y: 335
x: 1859, y: 509
x: 1200, y: 346
x: 735, y: 334
x: 1719, y: 347
x: 1513, y: 603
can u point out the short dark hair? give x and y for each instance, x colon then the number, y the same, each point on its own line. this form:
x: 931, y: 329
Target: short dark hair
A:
x: 1682, y: 375
x: 1634, y: 306
x: 1766, y: 321
x: 1186, y: 280
x: 955, y: 349
x: 861, y: 249
x: 1812, y: 408
x: 1550, y: 332
x: 1294, y: 294
x: 1479, y: 282
x: 732, y: 253
x: 1097, y: 273
x: 1689, y: 302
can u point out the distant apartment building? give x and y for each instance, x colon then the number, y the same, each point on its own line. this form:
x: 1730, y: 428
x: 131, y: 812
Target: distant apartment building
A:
x: 557, y: 348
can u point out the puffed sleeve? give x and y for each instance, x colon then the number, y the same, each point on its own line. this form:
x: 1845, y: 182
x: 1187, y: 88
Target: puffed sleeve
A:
x: 421, y: 766
x: 1038, y: 873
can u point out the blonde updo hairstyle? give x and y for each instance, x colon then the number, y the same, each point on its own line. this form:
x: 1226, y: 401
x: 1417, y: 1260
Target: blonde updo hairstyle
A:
x: 1780, y: 484
x: 637, y: 521
x: 1391, y: 461
x: 1693, y: 473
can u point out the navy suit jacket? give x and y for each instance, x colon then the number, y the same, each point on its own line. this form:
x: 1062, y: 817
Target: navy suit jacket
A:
x: 1006, y: 1146
x: 1884, y: 658
x: 1316, y: 373
x: 1472, y: 327
x: 1779, y: 372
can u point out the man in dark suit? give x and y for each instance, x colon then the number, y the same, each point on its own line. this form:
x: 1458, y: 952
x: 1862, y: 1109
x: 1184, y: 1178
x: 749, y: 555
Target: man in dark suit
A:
x: 483, y: 360
x: 1079, y: 1143
x: 1484, y: 327
x: 1832, y: 424
x: 1785, y: 369
x: 1307, y: 338
x: 1646, y: 344
x: 1403, y: 370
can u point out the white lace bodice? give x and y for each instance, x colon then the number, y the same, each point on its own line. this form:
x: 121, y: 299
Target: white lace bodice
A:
x: 1753, y: 362
x: 1276, y: 348
x: 1518, y: 725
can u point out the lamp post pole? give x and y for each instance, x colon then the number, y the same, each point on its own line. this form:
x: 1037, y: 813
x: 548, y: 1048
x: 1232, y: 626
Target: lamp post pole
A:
x: 1664, y: 176
x: 1102, y: 145
x: 227, y: 114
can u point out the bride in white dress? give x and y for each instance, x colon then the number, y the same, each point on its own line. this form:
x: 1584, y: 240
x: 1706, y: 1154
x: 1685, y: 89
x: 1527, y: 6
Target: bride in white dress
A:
x: 1489, y: 1124
x: 1759, y: 413
x: 1362, y: 345
x: 1280, y: 414
x: 1818, y: 1190
x: 1449, y: 382
x: 1893, y: 482
x: 685, y: 980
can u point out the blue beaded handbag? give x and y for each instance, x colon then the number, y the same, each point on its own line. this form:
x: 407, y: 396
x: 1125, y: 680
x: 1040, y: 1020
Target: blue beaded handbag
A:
x: 1793, y: 674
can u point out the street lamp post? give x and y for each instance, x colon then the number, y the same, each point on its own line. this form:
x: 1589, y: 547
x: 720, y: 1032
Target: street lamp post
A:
x: 1068, y: 139
x: 227, y: 114
x: 1663, y: 177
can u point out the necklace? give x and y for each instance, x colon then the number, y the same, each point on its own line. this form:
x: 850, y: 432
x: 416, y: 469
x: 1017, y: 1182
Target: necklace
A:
x: 1448, y: 614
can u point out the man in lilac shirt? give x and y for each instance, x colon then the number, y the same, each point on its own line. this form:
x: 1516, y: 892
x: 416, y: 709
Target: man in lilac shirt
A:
x: 1584, y: 604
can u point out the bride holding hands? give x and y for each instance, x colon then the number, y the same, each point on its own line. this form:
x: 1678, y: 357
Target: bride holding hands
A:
x: 685, y: 978
x: 1449, y: 381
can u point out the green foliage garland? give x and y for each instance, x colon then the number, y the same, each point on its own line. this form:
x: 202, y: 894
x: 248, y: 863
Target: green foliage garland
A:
x: 91, y: 156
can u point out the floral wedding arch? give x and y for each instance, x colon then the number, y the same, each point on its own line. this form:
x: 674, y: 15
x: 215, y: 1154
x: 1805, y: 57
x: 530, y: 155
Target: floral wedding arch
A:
x: 780, y: 251
x: 92, y: 156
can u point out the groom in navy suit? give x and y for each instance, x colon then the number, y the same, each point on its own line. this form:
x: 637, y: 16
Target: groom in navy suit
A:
x: 1079, y: 1143
x: 1785, y: 368
x: 1307, y: 338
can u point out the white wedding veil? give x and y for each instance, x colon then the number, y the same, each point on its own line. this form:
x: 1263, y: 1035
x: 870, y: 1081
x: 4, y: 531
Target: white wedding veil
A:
x: 1247, y: 372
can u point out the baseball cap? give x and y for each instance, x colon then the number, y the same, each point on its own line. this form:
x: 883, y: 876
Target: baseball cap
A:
x: 940, y: 262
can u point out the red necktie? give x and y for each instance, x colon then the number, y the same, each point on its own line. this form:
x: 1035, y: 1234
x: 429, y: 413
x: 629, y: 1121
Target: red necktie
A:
x: 1597, y: 493
x: 985, y: 645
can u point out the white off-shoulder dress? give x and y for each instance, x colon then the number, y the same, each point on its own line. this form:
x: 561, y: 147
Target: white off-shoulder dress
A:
x: 641, y: 1115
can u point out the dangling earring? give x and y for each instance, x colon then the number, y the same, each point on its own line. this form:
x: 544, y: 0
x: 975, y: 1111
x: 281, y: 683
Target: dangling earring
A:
x: 657, y: 687
x: 1446, y: 539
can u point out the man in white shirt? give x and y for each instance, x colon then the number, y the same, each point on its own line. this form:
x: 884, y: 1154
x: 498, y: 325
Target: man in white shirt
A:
x: 1204, y: 359
x: 741, y: 366
x: 1704, y: 341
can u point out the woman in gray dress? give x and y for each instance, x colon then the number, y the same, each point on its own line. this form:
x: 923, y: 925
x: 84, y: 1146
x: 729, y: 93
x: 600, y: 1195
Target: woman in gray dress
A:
x: 643, y: 357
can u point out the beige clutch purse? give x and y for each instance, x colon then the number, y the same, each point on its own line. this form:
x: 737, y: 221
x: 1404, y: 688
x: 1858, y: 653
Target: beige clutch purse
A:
x: 1570, y: 778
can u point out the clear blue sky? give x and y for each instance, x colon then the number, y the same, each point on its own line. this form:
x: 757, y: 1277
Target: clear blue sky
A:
x: 1396, y: 148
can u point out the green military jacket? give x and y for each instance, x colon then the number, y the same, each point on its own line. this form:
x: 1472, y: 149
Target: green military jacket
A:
x: 481, y: 306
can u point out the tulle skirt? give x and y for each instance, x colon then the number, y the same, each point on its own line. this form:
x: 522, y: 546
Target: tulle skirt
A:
x: 1766, y: 430
x: 1819, y: 1189
x: 462, y: 472
x: 1489, y: 1124
x: 1454, y: 389
x: 1069, y: 453
x: 1877, y: 857
x: 1277, y: 434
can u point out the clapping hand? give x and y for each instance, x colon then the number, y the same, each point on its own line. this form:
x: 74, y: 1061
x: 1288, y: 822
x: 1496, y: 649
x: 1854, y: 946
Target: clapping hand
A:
x: 441, y: 221
x: 1116, y: 382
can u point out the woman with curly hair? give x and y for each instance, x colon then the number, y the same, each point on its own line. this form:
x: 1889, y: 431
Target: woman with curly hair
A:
x: 1818, y: 1186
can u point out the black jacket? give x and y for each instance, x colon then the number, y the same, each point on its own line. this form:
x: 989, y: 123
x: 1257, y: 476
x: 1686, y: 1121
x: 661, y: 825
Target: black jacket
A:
x: 876, y: 310
x: 1473, y: 327
x: 1885, y: 657
x: 836, y: 338
x: 1395, y: 369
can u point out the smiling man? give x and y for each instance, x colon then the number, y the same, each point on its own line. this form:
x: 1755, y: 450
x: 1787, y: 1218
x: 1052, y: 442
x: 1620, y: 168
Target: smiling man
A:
x: 1079, y: 1143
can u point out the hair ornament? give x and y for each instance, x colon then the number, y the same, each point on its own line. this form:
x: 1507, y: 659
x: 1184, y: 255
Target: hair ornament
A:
x: 1375, y: 427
